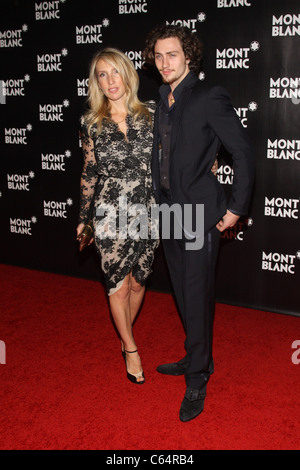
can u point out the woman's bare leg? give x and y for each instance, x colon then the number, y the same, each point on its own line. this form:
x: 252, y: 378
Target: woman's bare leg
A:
x: 137, y: 293
x: 120, y: 306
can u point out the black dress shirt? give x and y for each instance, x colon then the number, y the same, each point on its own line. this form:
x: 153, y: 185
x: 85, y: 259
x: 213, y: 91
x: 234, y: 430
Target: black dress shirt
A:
x: 166, y: 118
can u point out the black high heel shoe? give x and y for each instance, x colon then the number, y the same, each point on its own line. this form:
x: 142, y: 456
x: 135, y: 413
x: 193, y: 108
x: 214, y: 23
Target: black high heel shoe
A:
x: 134, y: 377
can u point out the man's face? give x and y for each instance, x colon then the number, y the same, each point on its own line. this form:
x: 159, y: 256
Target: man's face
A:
x: 171, y: 61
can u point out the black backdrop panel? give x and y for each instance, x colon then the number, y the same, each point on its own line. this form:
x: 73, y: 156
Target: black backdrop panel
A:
x: 251, y: 48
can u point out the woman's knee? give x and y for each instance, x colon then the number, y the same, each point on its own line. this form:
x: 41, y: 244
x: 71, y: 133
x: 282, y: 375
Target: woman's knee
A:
x: 124, y: 291
x: 135, y: 286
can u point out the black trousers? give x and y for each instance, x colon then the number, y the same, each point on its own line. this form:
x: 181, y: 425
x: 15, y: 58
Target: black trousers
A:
x: 192, y: 275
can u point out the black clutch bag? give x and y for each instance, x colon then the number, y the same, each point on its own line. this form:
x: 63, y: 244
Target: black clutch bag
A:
x: 86, y: 235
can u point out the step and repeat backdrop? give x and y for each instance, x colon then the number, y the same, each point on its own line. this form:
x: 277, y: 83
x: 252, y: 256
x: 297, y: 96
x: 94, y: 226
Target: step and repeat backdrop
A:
x: 251, y: 48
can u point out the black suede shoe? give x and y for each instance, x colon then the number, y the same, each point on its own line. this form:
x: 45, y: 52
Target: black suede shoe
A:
x: 179, y: 368
x: 193, y: 404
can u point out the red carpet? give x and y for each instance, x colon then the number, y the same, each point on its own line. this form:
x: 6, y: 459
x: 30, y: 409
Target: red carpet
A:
x: 64, y: 384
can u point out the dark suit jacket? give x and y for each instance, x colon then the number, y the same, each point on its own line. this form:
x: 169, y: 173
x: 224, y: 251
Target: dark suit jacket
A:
x: 204, y: 119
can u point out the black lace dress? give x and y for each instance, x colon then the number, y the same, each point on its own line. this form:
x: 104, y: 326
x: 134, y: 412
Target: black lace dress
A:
x: 117, y: 174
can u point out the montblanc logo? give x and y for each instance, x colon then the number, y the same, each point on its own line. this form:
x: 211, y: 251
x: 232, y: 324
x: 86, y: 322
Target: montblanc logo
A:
x: 286, y: 25
x: 282, y: 149
x: 54, y: 161
x: 17, y: 136
x: 82, y: 86
x: 235, y: 58
x: 136, y: 57
x: 51, y: 62
x: 282, y: 207
x: 233, y: 3
x: 48, y: 10
x: 131, y: 7
x: 190, y: 23
x: 237, y: 232
x: 15, y: 86
x: 91, y: 34
x: 279, y: 262
x: 57, y: 209
x: 19, y: 182
x: 225, y: 174
x: 12, y: 37
x: 285, y: 87
x: 53, y: 112
x: 22, y: 226
x: 243, y: 112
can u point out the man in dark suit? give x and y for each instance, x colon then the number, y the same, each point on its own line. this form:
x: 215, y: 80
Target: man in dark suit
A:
x: 191, y: 122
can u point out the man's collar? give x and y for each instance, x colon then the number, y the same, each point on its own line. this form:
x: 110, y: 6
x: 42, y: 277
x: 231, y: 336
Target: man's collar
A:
x: 188, y: 82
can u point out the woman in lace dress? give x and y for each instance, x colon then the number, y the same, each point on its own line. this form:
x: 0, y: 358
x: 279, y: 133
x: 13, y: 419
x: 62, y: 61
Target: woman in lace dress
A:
x: 117, y: 143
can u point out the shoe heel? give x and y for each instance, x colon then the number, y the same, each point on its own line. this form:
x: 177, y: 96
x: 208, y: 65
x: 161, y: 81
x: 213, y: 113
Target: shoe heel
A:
x: 134, y: 377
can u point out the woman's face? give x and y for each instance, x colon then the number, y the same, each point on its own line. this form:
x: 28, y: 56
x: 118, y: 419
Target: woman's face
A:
x: 110, y: 81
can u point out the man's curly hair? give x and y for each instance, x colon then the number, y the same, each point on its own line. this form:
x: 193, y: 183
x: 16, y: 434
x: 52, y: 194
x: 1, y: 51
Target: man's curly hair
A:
x: 191, y: 44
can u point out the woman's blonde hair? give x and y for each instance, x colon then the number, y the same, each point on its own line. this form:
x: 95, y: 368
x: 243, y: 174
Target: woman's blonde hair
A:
x: 98, y: 102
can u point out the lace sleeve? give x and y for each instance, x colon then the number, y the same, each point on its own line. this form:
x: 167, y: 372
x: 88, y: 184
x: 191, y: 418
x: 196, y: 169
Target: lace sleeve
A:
x: 151, y: 106
x: 89, y: 175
